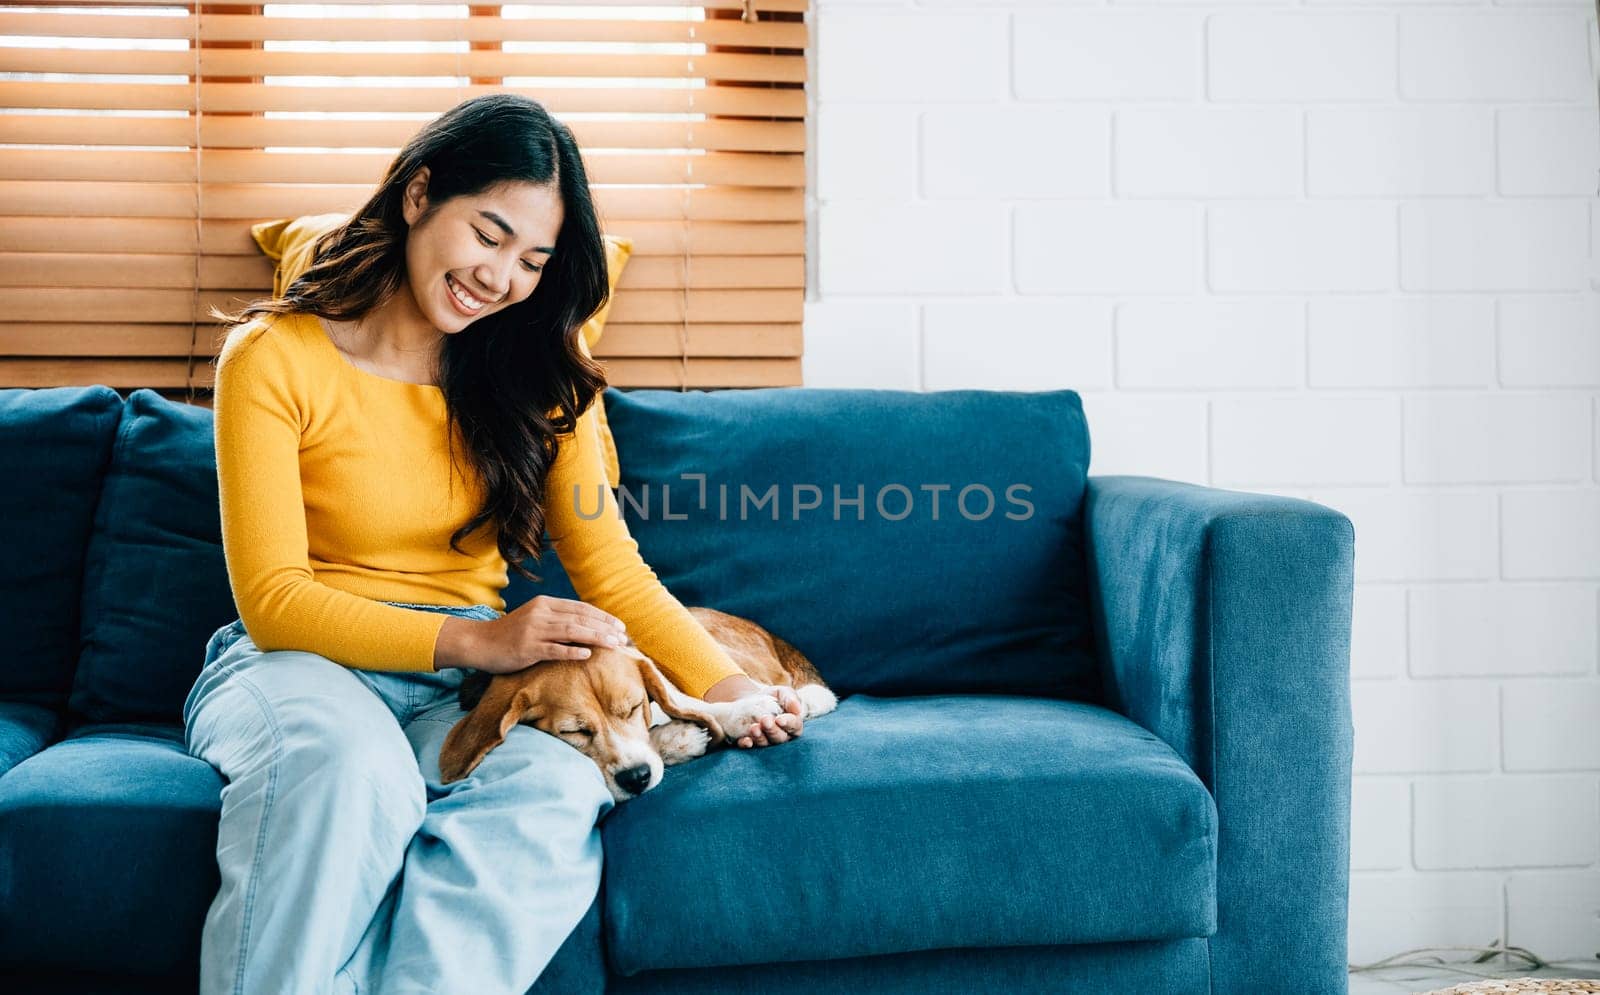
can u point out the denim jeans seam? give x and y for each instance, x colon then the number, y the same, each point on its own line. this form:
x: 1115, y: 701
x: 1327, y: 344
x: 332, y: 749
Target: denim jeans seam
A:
x: 227, y: 642
x: 220, y: 675
x: 261, y: 834
x: 441, y: 722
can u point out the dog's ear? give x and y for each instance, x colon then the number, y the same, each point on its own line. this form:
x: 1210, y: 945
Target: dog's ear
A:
x: 502, y: 706
x: 674, y: 702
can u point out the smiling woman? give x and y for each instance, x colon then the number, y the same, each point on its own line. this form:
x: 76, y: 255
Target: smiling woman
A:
x: 387, y: 272
x: 445, y: 314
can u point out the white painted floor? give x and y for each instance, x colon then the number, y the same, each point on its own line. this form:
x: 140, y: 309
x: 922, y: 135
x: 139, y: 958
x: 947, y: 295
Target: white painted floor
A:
x: 1395, y: 980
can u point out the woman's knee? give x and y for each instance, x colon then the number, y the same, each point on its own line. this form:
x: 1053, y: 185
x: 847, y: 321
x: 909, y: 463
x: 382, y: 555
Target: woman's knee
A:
x: 317, y: 725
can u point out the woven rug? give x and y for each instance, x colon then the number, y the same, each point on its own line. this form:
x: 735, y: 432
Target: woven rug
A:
x: 1522, y: 986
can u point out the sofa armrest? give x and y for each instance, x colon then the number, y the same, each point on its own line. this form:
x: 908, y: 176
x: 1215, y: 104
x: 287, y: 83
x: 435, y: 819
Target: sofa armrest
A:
x: 1222, y: 620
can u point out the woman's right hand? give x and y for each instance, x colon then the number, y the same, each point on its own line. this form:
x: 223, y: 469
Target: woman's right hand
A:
x: 546, y: 628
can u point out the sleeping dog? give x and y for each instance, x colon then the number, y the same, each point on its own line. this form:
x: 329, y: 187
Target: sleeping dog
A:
x: 618, y: 709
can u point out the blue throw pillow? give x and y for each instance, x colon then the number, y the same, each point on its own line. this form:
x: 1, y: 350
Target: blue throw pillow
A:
x: 54, y: 446
x: 953, y: 560
x: 156, y: 585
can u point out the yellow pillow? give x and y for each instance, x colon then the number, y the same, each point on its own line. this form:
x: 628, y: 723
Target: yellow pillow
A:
x: 291, y: 242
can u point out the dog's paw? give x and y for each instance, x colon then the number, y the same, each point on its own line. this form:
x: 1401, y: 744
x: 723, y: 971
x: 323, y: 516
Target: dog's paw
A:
x: 817, y: 699
x: 679, y: 740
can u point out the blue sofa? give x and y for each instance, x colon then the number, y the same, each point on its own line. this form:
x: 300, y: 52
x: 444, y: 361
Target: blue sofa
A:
x: 1094, y: 734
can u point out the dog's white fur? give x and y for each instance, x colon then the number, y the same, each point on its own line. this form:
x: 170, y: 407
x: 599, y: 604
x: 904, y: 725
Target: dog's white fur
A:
x: 677, y: 740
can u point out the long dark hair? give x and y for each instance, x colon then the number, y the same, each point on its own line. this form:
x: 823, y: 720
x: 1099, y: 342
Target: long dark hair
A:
x: 514, y: 379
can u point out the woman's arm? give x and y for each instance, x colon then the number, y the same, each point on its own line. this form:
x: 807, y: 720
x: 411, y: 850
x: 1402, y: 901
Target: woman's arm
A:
x: 603, y: 561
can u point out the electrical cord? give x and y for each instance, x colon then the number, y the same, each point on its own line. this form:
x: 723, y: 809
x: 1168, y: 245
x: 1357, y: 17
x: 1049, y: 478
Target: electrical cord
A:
x: 1530, y: 961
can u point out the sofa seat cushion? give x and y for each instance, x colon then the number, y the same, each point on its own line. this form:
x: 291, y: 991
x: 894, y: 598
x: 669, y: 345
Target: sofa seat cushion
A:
x: 108, y: 852
x: 24, y: 730
x: 895, y: 825
x: 940, y: 533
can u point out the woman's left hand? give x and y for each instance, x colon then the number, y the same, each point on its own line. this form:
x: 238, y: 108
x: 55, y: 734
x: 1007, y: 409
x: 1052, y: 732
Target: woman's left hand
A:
x: 773, y: 729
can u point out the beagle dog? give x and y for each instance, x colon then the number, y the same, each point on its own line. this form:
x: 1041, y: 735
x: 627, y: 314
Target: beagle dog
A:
x: 618, y: 709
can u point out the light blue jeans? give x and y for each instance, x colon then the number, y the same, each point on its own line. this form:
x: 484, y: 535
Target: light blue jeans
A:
x: 346, y: 866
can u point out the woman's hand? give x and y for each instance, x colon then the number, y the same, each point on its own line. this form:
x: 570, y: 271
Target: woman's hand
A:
x: 545, y: 628
x: 772, y: 729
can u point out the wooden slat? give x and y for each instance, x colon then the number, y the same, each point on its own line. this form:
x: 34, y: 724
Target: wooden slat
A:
x: 621, y: 340
x: 174, y: 373
x: 223, y: 131
x: 626, y: 339
x: 175, y: 62
x: 177, y: 200
x: 705, y: 374
x: 761, y: 6
x: 756, y: 169
x: 46, y: 233
x: 105, y: 339
x: 255, y: 274
x: 719, y: 66
x: 95, y: 199
x: 254, y: 62
x: 132, y: 269
x: 708, y: 305
x: 256, y: 97
x: 720, y: 135
x: 764, y: 34
x: 179, y: 270
x: 118, y: 373
x: 172, y: 305
x: 231, y: 236
x: 249, y: 27
x: 704, y: 272
x: 651, y: 236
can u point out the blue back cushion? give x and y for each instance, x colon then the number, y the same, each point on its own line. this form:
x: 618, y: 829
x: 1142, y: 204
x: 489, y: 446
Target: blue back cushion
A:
x: 54, y: 446
x: 889, y: 599
x: 155, y: 585
x: 981, y: 590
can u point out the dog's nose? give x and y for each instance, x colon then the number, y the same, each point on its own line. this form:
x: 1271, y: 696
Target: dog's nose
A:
x: 633, y: 779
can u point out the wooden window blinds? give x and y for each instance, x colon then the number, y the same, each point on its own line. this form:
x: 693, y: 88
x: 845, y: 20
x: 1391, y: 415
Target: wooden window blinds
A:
x: 139, y: 141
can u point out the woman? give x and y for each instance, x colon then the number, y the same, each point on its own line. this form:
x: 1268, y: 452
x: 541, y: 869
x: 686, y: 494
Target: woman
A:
x: 366, y: 565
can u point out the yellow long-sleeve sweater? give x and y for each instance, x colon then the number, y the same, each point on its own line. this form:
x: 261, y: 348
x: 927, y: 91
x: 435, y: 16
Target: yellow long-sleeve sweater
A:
x: 337, y: 494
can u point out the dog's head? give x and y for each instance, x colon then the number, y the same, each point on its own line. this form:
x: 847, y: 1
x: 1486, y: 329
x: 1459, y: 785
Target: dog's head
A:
x: 599, y: 706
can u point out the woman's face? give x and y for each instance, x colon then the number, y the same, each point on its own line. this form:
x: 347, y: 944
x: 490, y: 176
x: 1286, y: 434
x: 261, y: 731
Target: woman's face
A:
x: 480, y: 254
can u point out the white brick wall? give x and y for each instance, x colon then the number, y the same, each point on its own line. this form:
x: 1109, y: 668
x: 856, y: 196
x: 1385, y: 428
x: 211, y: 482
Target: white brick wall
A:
x: 1544, y: 821
x: 1346, y: 250
x: 1502, y: 630
x: 1399, y: 911
x: 1556, y: 908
